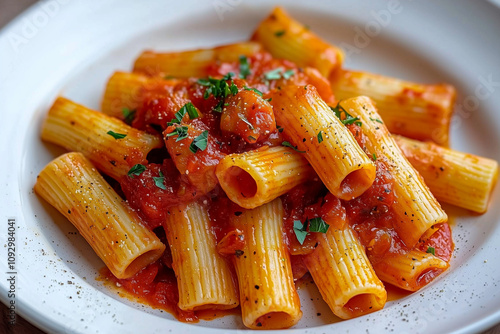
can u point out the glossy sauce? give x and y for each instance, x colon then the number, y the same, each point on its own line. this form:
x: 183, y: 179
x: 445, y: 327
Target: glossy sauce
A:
x: 370, y: 215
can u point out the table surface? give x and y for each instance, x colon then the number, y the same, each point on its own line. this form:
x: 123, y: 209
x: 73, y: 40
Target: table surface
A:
x: 9, y: 9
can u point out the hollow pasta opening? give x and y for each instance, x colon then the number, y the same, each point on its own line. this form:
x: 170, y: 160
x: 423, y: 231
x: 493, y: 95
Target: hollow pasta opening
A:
x: 362, y: 304
x: 275, y: 320
x: 140, y: 262
x: 355, y: 183
x: 243, y: 183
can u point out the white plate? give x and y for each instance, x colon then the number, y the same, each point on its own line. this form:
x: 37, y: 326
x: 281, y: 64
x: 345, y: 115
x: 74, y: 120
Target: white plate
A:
x: 71, y: 48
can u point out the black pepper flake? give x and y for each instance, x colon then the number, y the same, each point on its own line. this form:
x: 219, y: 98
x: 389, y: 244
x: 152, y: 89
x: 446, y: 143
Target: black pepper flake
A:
x: 69, y: 211
x: 238, y: 253
x: 259, y: 324
x: 112, y: 162
x: 318, y: 314
x: 257, y: 287
x: 238, y: 213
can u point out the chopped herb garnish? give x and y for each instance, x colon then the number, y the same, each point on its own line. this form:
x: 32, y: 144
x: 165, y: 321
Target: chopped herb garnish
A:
x: 344, y: 116
x: 300, y: 230
x: 273, y: 74
x: 188, y: 108
x: 180, y: 131
x: 318, y: 225
x: 246, y: 121
x: 320, y: 137
x: 269, y: 99
x: 137, y: 169
x: 288, y: 74
x: 279, y: 33
x: 376, y: 120
x: 431, y: 250
x: 168, y: 77
x: 280, y: 129
x: 128, y: 115
x: 252, y: 138
x: 159, y: 181
x: 315, y: 225
x: 116, y: 135
x: 287, y: 144
x: 254, y: 90
x: 374, y: 157
x: 244, y: 67
x: 219, y: 89
x: 278, y: 73
x: 200, y: 142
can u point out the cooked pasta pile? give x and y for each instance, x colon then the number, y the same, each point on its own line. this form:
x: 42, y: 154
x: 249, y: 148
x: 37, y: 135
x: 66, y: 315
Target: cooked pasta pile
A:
x: 230, y: 173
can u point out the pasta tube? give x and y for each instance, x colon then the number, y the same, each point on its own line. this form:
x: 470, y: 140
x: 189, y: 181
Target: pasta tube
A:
x: 344, y: 276
x: 326, y: 143
x: 192, y: 63
x: 127, y: 91
x: 286, y: 38
x: 415, y: 206
x: 267, y: 293
x: 410, y: 109
x: 461, y: 179
x: 410, y: 271
x: 257, y: 177
x: 110, y: 144
x: 75, y: 188
x: 203, y: 276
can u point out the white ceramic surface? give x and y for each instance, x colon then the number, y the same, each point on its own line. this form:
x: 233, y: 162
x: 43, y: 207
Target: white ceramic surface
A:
x: 71, y: 47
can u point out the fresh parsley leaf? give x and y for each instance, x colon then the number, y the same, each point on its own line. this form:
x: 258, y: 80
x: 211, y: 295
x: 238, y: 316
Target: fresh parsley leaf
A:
x: 279, y: 33
x: 318, y: 225
x: 288, y: 74
x: 181, y: 132
x: 273, y: 74
x: 344, y: 116
x: 188, y: 108
x: 137, y: 169
x: 254, y: 90
x: 431, y: 250
x: 200, y: 142
x: 220, y: 89
x: 300, y: 230
x: 244, y: 67
x: 246, y: 121
x: 278, y: 73
x: 374, y: 157
x: 159, y: 181
x: 376, y: 120
x: 320, y: 137
x: 191, y: 110
x: 269, y: 99
x: 287, y: 144
x: 116, y: 135
x: 128, y: 115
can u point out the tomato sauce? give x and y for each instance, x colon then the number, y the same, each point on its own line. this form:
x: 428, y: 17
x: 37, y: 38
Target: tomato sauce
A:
x: 239, y: 122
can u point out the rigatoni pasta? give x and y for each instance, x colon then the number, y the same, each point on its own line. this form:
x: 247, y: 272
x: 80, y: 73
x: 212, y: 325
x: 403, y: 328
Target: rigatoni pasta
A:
x: 328, y: 146
x: 243, y: 163
x: 75, y: 188
x: 257, y: 177
x: 204, y: 277
x: 286, y: 38
x: 113, y: 146
x: 267, y: 294
x: 344, y: 275
x: 191, y: 63
x: 416, y: 207
x: 410, y: 109
x: 458, y: 178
